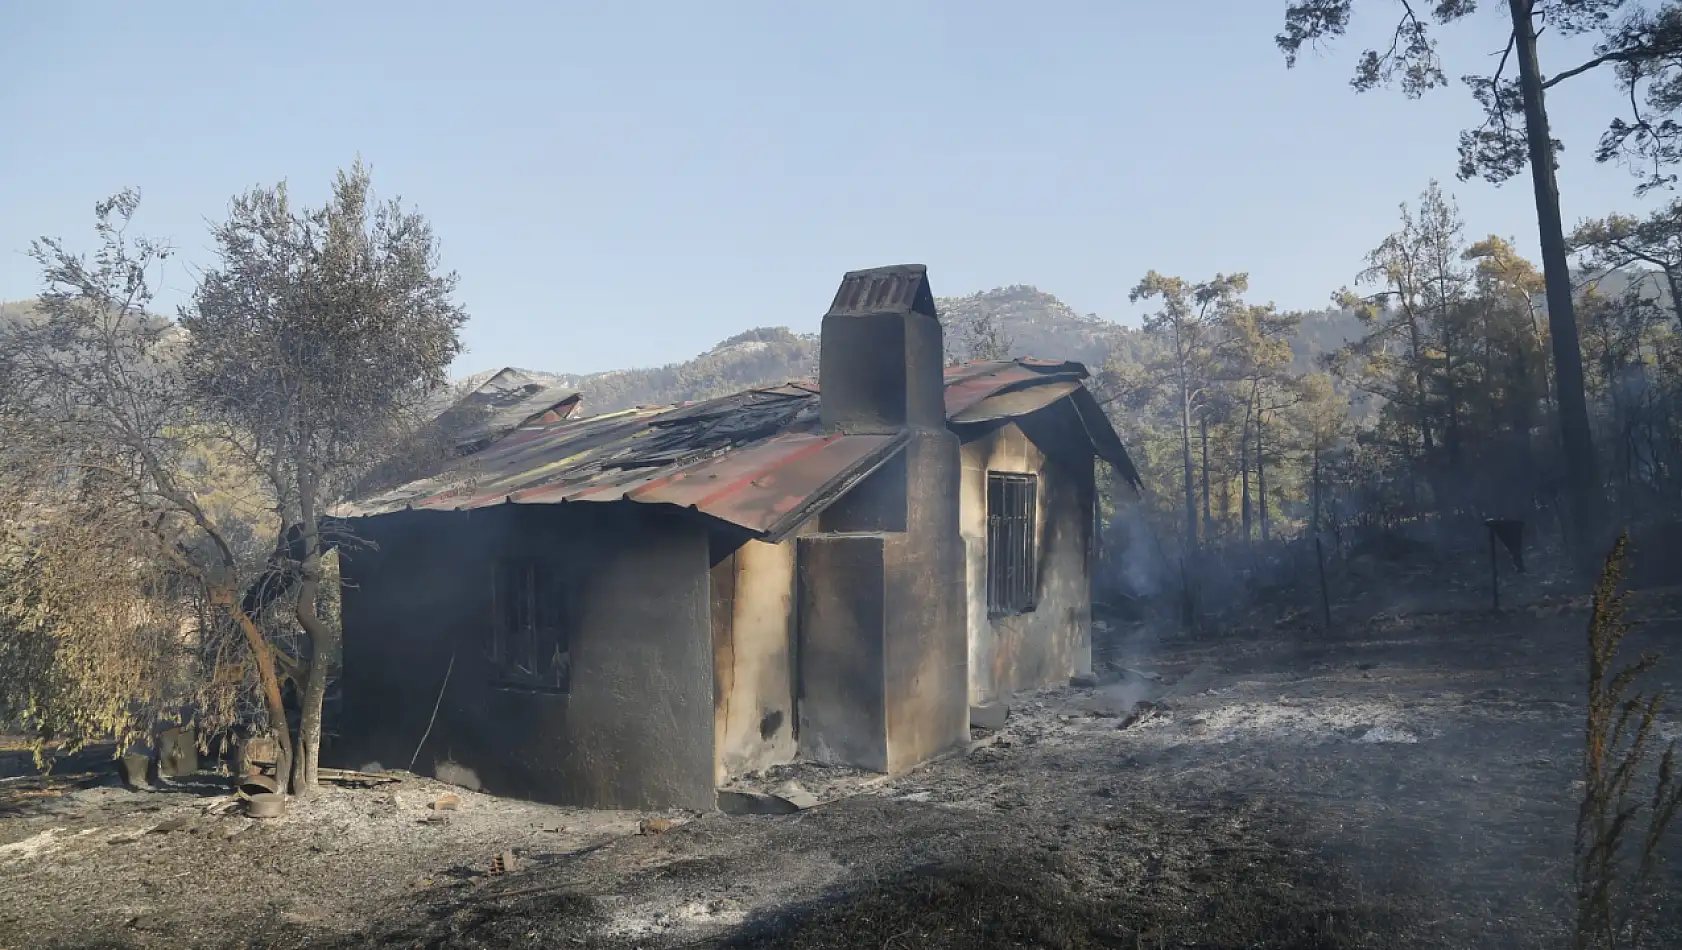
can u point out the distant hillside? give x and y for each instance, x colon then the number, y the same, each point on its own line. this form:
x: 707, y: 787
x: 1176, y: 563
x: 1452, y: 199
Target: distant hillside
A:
x: 1649, y: 283
x: 1322, y: 331
x: 1032, y: 323
x: 15, y: 310
x: 757, y: 357
x: 1035, y: 323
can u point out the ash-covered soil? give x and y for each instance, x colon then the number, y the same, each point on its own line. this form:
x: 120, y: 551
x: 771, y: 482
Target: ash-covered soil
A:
x: 1407, y: 781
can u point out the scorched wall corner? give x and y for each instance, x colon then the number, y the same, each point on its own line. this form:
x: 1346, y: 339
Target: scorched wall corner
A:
x: 883, y: 651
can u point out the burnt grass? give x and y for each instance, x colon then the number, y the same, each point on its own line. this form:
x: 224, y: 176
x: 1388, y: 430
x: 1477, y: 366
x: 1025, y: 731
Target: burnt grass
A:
x: 1405, y: 781
x: 1004, y: 900
x: 983, y: 887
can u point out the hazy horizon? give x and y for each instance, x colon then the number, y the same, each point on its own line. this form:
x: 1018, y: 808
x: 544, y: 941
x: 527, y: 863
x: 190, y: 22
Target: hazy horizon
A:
x: 619, y: 189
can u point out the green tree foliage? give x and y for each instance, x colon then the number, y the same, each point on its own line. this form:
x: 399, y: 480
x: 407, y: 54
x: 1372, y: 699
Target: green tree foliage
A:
x: 1191, y: 327
x: 1257, y: 374
x: 978, y: 339
x: 155, y: 473
x: 313, y: 346
x: 1618, y: 242
x: 1423, y: 398
x: 1640, y: 42
x: 114, y: 525
x: 1414, y: 322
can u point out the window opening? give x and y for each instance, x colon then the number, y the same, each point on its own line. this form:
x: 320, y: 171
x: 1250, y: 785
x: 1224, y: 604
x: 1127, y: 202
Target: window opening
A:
x: 529, y: 649
x: 1012, y: 555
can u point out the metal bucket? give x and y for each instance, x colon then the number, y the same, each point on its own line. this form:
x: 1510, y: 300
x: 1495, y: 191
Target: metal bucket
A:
x: 266, y: 805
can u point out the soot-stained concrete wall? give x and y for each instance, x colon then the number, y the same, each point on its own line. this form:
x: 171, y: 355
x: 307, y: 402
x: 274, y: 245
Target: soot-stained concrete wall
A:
x: 632, y: 732
x: 753, y: 633
x: 1054, y: 641
x: 843, y: 617
x: 926, y: 656
x: 882, y: 648
x: 883, y: 654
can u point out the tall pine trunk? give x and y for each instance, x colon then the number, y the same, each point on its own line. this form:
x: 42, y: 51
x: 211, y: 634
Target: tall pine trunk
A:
x: 1261, y: 479
x: 1208, y: 517
x: 1244, y: 480
x: 1575, y: 436
x: 1244, y: 464
x: 1186, y: 466
x: 1451, y: 390
x: 1675, y: 284
x: 1314, y: 488
x: 1226, y: 499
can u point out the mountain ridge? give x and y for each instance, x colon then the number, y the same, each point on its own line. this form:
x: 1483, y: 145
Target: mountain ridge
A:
x: 1028, y: 322
x: 1022, y: 320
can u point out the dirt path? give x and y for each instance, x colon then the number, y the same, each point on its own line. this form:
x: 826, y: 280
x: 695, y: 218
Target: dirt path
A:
x: 1408, y: 783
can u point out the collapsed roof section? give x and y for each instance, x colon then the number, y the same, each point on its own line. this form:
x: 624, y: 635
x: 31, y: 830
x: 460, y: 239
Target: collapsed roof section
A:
x: 500, y: 403
x: 758, y: 459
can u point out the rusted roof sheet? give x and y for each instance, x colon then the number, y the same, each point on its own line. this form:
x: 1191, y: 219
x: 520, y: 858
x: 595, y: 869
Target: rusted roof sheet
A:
x: 969, y: 383
x: 982, y: 391
x: 753, y: 459
x: 1015, y: 403
x: 756, y: 459
x: 769, y: 488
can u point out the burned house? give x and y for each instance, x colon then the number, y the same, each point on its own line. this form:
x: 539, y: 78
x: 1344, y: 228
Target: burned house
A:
x: 630, y: 609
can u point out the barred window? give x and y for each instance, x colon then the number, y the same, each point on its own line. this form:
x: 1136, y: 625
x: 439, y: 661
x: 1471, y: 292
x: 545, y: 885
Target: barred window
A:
x: 1012, y: 555
x: 529, y: 645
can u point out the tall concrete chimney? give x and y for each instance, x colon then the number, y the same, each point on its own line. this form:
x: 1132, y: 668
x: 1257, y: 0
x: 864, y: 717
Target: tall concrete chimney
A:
x: 884, y: 652
x: 880, y: 366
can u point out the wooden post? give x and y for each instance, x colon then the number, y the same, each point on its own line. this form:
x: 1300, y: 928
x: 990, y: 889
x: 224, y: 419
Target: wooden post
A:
x: 1325, y: 596
x: 1494, y: 572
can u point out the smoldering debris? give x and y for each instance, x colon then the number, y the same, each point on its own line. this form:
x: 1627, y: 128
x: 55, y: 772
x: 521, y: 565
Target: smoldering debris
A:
x: 1142, y: 712
x: 451, y: 773
x: 1119, y: 698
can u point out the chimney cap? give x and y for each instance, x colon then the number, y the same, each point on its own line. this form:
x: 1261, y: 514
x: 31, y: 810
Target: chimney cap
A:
x: 900, y: 288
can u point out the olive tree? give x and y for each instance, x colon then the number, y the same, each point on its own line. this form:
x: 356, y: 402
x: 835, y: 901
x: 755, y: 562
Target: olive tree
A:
x: 314, y: 342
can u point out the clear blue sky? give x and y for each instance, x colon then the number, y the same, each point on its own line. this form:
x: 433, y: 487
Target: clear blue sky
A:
x: 624, y: 183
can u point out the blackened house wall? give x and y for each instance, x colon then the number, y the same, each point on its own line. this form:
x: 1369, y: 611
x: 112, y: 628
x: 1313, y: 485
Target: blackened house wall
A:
x: 1047, y: 645
x: 635, y: 729
x: 926, y: 661
x: 882, y: 651
x: 753, y: 624
x: 882, y: 648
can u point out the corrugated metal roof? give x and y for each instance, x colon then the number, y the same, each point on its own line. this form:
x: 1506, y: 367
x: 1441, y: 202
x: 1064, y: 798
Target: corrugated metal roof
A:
x: 969, y: 383
x: 1014, y: 403
x: 755, y: 459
